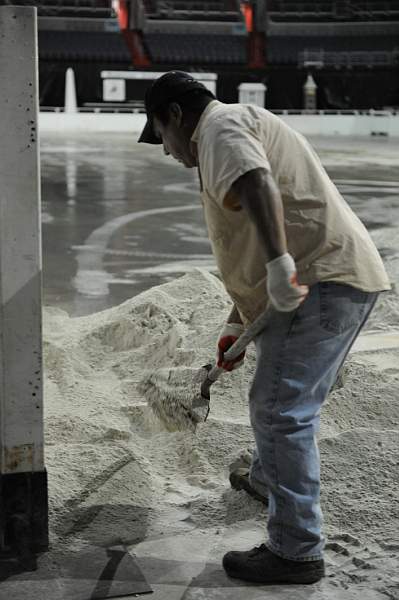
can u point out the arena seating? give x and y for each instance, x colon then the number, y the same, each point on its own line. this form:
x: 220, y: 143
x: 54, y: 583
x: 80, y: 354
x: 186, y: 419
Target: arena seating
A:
x: 207, y: 10
x: 333, y: 10
x: 78, y: 30
x: 346, y: 33
x: 365, y: 49
x: 338, y: 59
x: 83, y: 45
x: 196, y: 49
x: 200, y: 32
x: 69, y: 8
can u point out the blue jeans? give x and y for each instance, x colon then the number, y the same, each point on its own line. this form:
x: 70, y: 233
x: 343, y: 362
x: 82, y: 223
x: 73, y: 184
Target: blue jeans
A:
x: 298, y: 357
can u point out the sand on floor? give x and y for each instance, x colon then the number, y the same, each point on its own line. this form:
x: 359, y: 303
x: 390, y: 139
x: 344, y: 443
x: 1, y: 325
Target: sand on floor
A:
x: 116, y: 475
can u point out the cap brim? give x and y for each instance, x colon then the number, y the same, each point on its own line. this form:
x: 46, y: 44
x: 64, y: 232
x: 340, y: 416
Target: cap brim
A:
x: 148, y: 136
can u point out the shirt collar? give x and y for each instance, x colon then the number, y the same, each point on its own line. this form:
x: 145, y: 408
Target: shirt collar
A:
x: 208, y: 109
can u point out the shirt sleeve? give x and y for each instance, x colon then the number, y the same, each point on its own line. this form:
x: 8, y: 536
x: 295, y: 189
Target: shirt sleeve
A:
x: 229, y: 149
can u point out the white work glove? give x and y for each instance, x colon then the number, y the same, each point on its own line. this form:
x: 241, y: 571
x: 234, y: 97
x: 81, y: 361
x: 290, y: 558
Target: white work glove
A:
x: 229, y: 334
x: 282, y: 286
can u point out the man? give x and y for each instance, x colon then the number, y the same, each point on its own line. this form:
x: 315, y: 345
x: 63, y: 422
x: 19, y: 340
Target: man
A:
x: 282, y: 236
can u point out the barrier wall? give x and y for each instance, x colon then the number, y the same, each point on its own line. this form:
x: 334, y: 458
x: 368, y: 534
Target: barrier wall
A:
x: 60, y: 123
x: 379, y: 123
x: 350, y: 125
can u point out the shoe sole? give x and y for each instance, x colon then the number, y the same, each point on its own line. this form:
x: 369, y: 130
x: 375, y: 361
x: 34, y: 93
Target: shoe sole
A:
x: 304, y: 579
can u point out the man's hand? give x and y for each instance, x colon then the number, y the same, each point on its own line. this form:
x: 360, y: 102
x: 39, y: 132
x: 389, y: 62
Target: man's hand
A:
x: 229, y: 334
x: 282, y: 286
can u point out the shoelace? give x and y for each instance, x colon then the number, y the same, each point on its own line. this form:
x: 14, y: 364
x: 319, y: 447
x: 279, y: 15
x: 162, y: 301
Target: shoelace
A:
x: 258, y: 549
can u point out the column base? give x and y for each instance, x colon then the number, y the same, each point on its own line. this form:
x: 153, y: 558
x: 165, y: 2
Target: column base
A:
x: 23, y: 514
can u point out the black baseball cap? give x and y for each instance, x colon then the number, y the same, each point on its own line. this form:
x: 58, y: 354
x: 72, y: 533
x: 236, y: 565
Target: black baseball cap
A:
x: 167, y: 88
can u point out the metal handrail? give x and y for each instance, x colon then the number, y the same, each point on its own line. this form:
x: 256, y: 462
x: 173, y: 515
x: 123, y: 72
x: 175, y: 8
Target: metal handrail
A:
x: 278, y: 111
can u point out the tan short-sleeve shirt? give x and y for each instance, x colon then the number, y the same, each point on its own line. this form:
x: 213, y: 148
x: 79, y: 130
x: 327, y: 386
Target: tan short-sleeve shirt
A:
x: 326, y: 239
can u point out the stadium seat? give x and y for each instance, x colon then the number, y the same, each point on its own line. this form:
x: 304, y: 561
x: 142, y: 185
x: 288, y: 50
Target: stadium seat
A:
x: 83, y: 45
x: 196, y: 49
x: 332, y: 10
x: 193, y: 10
x: 70, y: 8
x: 286, y: 49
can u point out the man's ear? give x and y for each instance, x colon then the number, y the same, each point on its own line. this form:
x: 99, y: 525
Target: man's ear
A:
x: 176, y: 113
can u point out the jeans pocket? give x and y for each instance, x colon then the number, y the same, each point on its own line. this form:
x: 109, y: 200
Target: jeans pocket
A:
x: 342, y: 307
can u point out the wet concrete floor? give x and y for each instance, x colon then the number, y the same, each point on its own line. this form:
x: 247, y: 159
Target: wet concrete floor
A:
x: 119, y: 217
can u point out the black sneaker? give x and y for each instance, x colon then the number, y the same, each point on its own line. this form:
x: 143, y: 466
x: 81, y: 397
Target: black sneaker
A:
x: 260, y: 565
x: 239, y: 480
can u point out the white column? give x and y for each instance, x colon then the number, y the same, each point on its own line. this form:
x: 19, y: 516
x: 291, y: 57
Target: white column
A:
x: 70, y: 102
x: 23, y: 478
x: 21, y: 399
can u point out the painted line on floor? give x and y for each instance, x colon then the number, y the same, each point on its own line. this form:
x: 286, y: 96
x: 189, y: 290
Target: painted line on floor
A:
x: 91, y: 278
x: 368, y: 182
x: 370, y: 342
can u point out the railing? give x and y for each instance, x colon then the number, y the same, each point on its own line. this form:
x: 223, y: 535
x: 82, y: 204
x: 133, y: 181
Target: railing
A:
x: 138, y: 107
x: 320, y: 58
x: 354, y: 10
x: 369, y: 112
x: 332, y: 29
x: 195, y: 27
x: 73, y: 8
x: 218, y: 10
x: 100, y: 107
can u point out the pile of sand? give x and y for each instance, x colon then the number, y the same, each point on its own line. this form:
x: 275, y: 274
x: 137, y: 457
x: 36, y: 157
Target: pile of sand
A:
x: 115, y: 474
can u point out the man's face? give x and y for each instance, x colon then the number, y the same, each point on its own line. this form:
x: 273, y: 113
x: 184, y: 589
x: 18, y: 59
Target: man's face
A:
x: 176, y: 137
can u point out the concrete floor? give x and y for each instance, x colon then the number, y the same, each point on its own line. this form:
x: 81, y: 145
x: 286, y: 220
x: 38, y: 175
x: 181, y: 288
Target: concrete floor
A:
x: 182, y: 567
x: 188, y: 567
x: 119, y: 218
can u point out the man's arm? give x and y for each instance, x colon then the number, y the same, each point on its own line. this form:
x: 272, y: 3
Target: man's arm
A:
x: 234, y: 316
x: 257, y: 193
